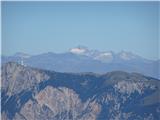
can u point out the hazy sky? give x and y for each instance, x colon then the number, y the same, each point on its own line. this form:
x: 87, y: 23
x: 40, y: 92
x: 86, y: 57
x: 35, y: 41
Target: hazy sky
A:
x: 37, y: 27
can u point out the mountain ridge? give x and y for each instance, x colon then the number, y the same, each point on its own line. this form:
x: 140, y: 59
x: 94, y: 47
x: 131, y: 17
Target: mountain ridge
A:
x: 114, y: 95
x: 88, y: 61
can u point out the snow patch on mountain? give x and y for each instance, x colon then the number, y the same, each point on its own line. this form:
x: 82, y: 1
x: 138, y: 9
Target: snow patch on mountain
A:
x: 104, y: 57
x: 127, y: 55
x: 79, y: 50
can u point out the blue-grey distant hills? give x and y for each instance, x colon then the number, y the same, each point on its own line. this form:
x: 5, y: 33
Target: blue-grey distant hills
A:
x: 81, y: 59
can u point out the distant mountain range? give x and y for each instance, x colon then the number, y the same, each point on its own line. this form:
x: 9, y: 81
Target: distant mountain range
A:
x: 34, y: 94
x: 81, y: 59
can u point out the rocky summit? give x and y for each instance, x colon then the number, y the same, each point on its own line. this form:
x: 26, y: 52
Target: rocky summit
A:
x: 35, y: 94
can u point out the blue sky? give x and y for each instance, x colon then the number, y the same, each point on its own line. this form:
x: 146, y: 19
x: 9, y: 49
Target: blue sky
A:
x: 37, y: 27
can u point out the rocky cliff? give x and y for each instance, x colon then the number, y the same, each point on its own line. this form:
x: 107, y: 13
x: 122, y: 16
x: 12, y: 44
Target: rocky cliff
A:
x: 34, y: 94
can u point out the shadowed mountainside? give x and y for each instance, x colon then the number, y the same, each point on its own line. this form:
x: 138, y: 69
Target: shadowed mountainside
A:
x: 35, y: 94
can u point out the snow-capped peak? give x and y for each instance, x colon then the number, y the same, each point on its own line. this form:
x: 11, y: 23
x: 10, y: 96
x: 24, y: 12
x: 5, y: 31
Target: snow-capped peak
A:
x: 104, y: 56
x: 79, y: 50
x: 126, y: 55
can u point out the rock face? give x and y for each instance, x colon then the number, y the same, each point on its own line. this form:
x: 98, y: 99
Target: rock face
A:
x: 62, y: 103
x: 16, y: 78
x: 33, y: 94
